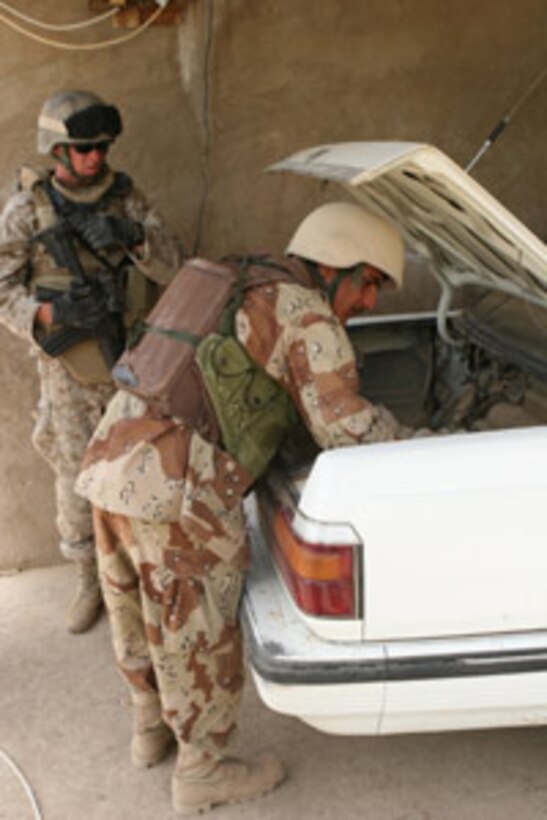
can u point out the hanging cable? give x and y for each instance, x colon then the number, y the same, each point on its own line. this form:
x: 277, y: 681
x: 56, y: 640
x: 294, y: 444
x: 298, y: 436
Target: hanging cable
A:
x: 24, y: 782
x: 205, y: 124
x: 57, y: 26
x: 83, y: 46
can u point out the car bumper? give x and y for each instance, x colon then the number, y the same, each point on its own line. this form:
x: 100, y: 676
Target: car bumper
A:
x: 372, y: 687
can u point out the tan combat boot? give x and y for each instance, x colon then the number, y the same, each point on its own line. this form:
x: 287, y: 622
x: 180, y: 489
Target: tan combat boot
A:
x: 86, y: 605
x: 152, y: 738
x: 197, y: 789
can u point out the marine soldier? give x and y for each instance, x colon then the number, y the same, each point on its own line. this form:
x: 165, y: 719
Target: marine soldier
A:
x: 167, y: 497
x: 81, y: 253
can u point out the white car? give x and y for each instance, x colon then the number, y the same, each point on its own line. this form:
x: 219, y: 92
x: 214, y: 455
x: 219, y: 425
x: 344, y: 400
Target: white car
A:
x: 402, y: 587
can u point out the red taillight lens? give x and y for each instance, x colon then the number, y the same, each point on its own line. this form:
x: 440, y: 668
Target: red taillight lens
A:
x: 320, y: 578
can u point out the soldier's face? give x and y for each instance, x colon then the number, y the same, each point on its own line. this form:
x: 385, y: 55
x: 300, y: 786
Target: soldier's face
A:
x: 352, y: 298
x: 88, y: 163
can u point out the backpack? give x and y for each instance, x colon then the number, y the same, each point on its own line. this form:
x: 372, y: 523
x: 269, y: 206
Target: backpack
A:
x: 189, y: 364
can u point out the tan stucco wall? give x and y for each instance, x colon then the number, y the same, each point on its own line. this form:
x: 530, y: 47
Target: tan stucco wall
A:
x: 208, y: 104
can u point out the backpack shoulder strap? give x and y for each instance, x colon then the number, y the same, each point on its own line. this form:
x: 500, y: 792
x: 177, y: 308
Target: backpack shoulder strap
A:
x: 253, y: 271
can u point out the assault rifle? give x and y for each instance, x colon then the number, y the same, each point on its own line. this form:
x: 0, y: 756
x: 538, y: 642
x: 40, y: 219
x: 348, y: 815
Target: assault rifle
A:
x: 104, y: 291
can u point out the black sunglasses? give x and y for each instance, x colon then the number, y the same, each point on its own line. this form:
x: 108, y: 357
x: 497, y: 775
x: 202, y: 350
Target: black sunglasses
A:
x: 88, y: 147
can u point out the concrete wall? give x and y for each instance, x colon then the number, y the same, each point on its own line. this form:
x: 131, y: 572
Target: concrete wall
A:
x: 211, y: 102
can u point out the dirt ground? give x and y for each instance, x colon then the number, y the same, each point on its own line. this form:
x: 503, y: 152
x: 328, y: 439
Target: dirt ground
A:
x: 64, y: 719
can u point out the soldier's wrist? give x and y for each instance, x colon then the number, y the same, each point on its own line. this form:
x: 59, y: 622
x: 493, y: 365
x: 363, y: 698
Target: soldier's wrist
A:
x: 44, y: 314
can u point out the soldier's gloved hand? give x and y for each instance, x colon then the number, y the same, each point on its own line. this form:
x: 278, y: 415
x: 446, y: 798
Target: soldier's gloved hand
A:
x: 85, y: 310
x: 101, y: 230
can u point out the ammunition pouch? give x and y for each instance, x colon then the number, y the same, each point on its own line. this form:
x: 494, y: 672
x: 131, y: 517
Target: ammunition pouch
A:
x: 253, y: 411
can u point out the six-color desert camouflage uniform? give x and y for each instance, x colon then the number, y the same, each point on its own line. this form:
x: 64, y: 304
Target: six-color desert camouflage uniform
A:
x: 171, y: 538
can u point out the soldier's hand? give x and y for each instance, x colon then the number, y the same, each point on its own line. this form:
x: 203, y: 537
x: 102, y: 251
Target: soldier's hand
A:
x: 101, y: 231
x: 85, y: 310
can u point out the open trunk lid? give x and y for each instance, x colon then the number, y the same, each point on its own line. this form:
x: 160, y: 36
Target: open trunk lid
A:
x: 445, y: 215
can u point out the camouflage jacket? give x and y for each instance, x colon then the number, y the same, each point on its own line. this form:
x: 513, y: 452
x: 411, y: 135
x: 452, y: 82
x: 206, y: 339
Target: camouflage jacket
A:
x: 21, y: 258
x: 157, y: 470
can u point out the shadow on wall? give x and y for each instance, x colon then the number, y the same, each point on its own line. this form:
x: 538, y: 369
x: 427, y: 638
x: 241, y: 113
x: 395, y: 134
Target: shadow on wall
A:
x: 27, y: 510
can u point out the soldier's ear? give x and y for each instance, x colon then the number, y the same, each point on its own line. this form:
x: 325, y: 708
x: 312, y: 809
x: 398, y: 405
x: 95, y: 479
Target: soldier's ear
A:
x: 357, y: 275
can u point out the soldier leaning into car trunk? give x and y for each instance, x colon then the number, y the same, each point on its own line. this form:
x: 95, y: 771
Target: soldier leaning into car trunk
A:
x: 167, y: 499
x: 80, y: 251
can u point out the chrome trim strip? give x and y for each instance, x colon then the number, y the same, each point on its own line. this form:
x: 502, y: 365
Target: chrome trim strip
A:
x: 396, y: 662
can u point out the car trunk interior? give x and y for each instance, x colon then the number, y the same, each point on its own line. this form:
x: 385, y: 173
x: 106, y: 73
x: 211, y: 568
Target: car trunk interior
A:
x: 489, y: 374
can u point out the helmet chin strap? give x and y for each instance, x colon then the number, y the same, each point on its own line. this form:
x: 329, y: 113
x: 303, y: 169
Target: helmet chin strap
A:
x: 330, y: 288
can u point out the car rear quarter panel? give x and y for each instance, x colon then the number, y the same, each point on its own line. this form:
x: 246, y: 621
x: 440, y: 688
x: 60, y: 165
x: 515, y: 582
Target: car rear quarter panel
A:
x: 453, y: 530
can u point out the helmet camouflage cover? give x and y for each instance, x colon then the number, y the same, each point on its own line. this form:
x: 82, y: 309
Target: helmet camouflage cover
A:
x: 72, y: 117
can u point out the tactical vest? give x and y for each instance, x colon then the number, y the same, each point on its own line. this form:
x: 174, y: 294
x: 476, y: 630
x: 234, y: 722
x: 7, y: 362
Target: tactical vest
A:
x: 84, y: 359
x: 190, y: 365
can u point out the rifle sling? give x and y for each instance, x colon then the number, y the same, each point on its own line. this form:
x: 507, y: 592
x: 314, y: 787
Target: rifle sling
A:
x: 63, y: 210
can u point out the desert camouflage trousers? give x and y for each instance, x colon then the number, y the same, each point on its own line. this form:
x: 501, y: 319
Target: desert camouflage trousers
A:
x: 67, y: 414
x: 173, y: 608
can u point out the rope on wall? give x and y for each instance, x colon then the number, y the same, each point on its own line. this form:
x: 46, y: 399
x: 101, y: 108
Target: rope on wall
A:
x: 22, y: 779
x: 56, y: 26
x: 66, y: 46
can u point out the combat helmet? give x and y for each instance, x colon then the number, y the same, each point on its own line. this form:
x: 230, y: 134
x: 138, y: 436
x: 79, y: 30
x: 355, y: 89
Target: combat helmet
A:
x: 76, y: 117
x: 343, y: 235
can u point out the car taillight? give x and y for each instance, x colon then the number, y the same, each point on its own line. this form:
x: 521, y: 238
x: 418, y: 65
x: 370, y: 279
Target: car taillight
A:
x: 319, y: 577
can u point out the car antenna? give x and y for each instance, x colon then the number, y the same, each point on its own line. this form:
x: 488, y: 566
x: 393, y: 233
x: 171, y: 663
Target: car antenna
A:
x: 504, y: 122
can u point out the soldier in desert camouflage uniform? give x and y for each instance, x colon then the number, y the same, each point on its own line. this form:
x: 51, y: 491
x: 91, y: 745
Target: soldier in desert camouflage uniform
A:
x: 78, y: 220
x: 168, y: 511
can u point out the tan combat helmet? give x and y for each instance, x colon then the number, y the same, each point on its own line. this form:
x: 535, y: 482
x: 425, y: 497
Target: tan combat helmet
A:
x: 76, y: 117
x: 342, y: 235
